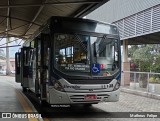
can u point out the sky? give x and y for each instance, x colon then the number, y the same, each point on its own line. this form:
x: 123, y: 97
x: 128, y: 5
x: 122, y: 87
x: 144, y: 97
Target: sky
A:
x: 12, y: 50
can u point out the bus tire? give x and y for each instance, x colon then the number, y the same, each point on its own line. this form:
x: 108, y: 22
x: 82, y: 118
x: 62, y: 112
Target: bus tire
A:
x: 24, y: 89
x: 43, y: 103
x: 88, y: 105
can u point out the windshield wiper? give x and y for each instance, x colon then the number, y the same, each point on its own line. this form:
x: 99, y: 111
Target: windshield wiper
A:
x: 100, y: 50
x: 80, y: 42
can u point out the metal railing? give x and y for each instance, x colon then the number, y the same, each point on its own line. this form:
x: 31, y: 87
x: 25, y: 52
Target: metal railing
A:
x: 145, y: 81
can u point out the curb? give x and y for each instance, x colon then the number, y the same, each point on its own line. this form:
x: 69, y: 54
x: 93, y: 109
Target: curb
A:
x: 33, y: 108
x: 141, y: 93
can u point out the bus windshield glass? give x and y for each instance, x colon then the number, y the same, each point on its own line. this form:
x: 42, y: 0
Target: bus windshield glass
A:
x: 77, y: 54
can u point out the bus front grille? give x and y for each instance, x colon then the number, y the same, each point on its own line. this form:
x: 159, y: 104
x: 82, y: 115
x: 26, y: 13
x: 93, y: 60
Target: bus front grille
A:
x: 81, y: 98
x: 89, y: 81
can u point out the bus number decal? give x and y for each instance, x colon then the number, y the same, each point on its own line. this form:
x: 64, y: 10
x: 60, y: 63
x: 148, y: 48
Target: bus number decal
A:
x: 105, y: 86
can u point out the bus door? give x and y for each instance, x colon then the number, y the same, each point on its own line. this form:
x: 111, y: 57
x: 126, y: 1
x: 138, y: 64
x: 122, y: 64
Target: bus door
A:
x: 44, y: 62
x: 24, y: 70
x: 17, y: 67
x: 32, y: 69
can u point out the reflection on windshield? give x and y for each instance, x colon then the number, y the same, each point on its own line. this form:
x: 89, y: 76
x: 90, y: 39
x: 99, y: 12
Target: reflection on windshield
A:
x: 72, y: 54
x: 83, y: 54
x: 106, y: 54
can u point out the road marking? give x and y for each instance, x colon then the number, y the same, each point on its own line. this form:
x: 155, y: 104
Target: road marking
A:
x: 46, y: 119
x: 25, y: 105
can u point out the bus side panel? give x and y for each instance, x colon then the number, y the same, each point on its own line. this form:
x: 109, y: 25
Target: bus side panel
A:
x: 17, y: 68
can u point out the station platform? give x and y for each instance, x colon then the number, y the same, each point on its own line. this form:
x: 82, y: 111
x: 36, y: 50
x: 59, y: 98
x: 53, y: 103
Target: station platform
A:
x: 12, y: 100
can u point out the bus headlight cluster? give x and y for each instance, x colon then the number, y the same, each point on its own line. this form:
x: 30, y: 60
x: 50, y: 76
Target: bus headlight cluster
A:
x: 58, y: 86
x: 117, y: 86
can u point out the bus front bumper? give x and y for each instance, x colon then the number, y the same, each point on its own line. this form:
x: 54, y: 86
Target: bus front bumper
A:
x: 57, y: 97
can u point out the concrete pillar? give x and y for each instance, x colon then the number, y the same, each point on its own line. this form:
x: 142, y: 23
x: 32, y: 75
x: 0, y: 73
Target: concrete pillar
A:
x: 125, y: 51
x: 8, y: 70
x: 125, y: 77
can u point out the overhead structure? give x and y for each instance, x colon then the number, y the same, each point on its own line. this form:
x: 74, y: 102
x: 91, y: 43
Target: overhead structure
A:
x: 21, y: 18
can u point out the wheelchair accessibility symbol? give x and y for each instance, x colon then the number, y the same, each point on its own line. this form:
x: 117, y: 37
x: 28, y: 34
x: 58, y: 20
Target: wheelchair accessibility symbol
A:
x: 95, y: 68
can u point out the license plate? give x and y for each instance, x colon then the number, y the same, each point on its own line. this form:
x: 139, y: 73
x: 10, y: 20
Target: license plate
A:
x: 90, y: 97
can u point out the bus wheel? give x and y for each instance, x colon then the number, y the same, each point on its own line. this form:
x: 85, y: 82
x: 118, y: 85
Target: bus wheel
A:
x: 88, y: 105
x: 43, y: 103
x: 24, y: 89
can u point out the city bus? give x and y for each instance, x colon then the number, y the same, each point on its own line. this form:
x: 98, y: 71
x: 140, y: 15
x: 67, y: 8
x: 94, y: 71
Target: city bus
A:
x: 71, y: 61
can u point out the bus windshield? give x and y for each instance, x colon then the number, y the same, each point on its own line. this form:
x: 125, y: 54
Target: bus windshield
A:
x: 77, y: 54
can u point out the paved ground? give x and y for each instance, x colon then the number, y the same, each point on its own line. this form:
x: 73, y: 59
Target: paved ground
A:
x: 127, y: 103
x: 12, y: 100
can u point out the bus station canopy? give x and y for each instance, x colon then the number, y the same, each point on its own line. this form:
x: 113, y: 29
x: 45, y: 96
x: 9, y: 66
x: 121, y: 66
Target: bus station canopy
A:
x: 21, y: 18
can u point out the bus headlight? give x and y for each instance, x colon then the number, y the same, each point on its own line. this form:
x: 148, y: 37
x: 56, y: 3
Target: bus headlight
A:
x: 117, y: 86
x: 58, y: 86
